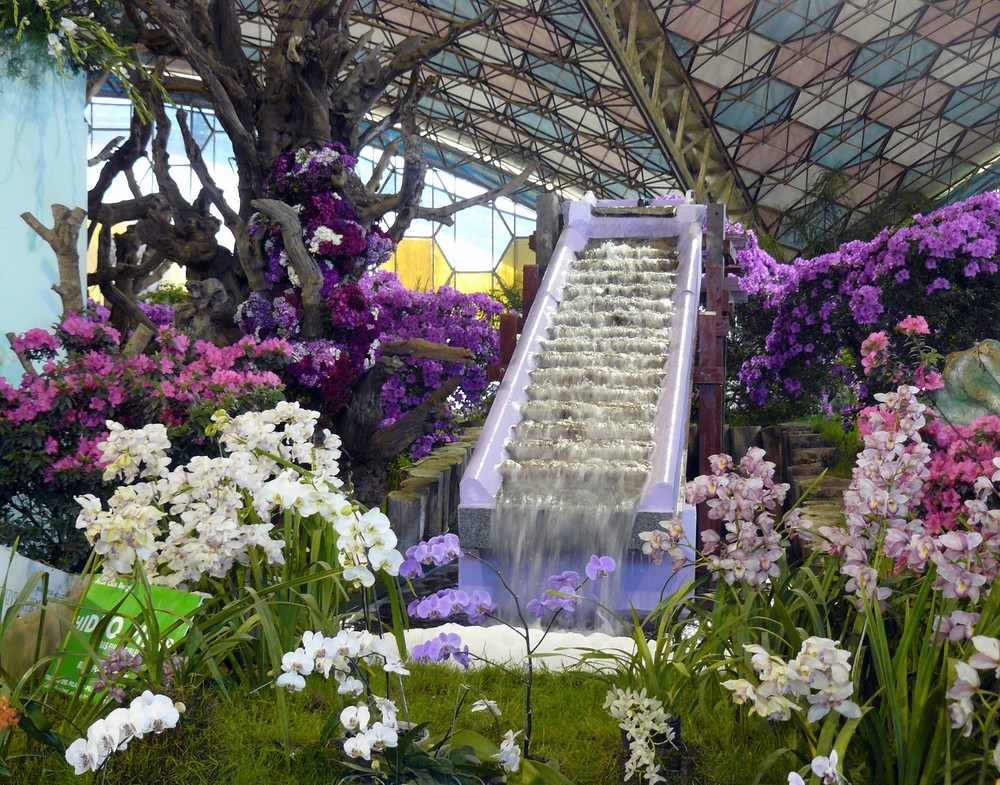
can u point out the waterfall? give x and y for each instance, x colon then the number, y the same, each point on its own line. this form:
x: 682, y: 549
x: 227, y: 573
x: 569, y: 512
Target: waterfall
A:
x: 577, y: 460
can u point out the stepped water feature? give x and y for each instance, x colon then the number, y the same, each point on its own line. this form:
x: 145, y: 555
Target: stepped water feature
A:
x: 584, y: 446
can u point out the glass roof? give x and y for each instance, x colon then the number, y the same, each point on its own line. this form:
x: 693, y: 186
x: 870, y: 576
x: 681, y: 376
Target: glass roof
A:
x: 899, y: 93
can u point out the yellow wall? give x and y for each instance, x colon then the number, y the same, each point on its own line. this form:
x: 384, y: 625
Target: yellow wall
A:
x: 421, y: 265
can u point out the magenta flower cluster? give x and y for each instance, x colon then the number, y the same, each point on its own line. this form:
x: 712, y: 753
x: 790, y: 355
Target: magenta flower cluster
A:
x: 960, y: 456
x: 308, y: 178
x: 52, y: 423
x: 366, y: 308
x: 943, y: 265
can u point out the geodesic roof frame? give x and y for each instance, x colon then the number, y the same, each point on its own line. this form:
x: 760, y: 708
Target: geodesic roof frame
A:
x: 745, y: 101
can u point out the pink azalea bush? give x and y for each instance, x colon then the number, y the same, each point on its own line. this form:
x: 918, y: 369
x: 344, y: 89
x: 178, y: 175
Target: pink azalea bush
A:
x: 804, y: 320
x: 52, y: 423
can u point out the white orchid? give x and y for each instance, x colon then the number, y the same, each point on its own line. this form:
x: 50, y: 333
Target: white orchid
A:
x: 356, y: 718
x: 358, y: 747
x: 148, y: 713
x: 509, y: 756
x: 486, y: 705
x: 826, y: 768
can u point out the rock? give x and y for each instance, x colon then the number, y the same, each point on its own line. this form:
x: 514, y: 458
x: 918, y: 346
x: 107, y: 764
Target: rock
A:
x: 972, y: 383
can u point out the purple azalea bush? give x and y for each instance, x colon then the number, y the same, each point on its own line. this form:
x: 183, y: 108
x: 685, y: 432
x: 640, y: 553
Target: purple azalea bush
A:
x: 443, y: 316
x: 366, y: 307
x: 804, y: 320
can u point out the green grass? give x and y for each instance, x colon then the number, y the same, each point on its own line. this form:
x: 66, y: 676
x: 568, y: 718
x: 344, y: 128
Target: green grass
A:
x: 848, y: 444
x: 220, y: 742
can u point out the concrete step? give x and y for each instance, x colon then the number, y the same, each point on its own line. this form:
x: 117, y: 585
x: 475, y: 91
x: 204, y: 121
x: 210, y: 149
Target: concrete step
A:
x: 829, y: 488
x: 803, y: 470
x: 811, y: 454
x: 796, y: 426
x: 806, y: 439
x: 823, y: 507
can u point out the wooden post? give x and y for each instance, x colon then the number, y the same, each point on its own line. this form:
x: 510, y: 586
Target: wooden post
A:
x: 529, y: 288
x: 710, y: 373
x: 548, y: 217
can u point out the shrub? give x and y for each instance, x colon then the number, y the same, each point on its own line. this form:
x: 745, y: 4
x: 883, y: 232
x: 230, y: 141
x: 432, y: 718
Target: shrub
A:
x: 943, y: 265
x: 366, y: 307
x: 51, y: 426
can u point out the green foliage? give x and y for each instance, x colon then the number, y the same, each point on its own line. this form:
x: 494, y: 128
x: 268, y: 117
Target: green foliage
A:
x: 91, y: 37
x: 166, y: 294
x: 235, y: 740
x: 827, y: 216
x: 510, y: 294
x: 847, y: 443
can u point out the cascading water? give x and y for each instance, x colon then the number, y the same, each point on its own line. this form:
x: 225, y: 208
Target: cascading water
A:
x: 578, y: 458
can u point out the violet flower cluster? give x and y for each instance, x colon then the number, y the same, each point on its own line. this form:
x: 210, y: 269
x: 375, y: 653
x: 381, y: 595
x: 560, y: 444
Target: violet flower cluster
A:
x: 943, y: 265
x: 118, y: 663
x: 438, y: 551
x: 563, y: 593
x: 445, y: 316
x: 439, y: 649
x: 366, y: 308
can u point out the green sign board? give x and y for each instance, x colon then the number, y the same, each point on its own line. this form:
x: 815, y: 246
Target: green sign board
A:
x: 113, y: 608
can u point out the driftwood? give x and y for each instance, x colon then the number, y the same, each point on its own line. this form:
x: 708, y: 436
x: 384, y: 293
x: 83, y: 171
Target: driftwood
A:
x: 357, y: 422
x: 64, y: 238
x: 390, y: 441
x: 419, y: 349
x: 371, y: 448
x: 139, y: 341
x: 305, y: 267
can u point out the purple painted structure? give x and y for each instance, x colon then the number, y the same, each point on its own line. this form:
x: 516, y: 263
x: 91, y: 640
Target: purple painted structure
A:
x: 643, y: 583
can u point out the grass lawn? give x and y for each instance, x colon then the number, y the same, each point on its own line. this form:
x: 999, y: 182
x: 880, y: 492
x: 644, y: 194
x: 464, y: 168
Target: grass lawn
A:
x: 236, y: 741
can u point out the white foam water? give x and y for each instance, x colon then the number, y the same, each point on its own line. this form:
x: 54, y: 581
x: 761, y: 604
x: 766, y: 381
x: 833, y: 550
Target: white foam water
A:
x: 579, y: 457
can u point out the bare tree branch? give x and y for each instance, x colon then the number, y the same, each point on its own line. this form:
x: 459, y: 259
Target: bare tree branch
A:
x: 246, y: 252
x: 445, y: 214
x: 419, y: 349
x: 389, y: 442
x: 64, y: 239
x: 106, y: 152
x: 139, y: 341
x: 122, y: 160
x: 411, y: 185
x: 383, y: 163
x: 415, y: 90
x: 25, y: 362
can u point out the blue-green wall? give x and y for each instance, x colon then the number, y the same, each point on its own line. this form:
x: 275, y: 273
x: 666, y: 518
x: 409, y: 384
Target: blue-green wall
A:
x: 44, y: 161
